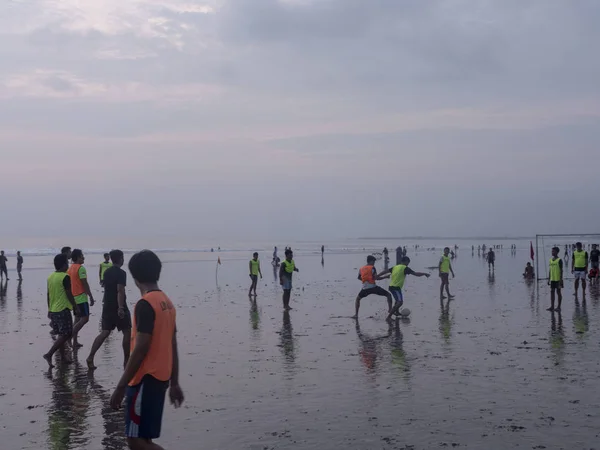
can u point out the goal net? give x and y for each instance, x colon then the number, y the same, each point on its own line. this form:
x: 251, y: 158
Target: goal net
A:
x: 566, y: 243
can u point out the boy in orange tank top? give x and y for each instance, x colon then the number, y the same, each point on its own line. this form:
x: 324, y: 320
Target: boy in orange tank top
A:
x: 154, y: 361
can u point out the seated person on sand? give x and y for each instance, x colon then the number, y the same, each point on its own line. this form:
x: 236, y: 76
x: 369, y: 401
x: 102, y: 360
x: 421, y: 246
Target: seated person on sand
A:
x: 528, y: 274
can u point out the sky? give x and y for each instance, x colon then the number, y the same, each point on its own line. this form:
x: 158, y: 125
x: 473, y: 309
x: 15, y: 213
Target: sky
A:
x: 298, y: 119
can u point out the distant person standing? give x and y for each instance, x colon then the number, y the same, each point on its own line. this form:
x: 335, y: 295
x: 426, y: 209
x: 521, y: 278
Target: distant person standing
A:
x: 254, y: 267
x: 286, y: 271
x: 3, y: 269
x: 19, y: 265
x: 556, y: 279
x: 399, y: 255
x: 579, y: 267
x: 491, y: 259
x: 104, y: 266
x: 445, y: 269
x: 115, y: 313
x: 81, y: 291
x: 322, y: 251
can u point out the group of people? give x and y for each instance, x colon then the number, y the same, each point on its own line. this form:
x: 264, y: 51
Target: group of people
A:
x: 4, y: 266
x: 150, y: 354
x: 368, y: 276
x: 584, y: 266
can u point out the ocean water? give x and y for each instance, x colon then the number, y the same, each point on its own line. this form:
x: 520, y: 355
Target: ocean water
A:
x: 491, y: 369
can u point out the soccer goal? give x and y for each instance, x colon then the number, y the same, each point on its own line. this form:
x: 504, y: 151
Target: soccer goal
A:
x: 566, y: 244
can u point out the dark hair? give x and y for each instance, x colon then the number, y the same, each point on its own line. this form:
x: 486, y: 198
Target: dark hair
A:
x: 106, y: 255
x: 65, y: 250
x: 579, y: 244
x: 60, y: 261
x: 371, y: 258
x: 76, y: 254
x: 405, y: 260
x: 446, y: 248
x: 145, y: 267
x: 557, y: 250
x: 116, y: 256
x: 288, y: 251
x: 255, y: 254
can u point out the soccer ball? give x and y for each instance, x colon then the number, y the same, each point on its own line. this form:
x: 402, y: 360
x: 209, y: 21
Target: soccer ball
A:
x: 405, y: 312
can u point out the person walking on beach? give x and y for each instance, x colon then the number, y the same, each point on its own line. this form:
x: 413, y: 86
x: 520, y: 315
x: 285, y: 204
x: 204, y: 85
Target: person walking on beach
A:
x: 397, y: 275
x: 254, y: 267
x: 491, y: 259
x: 445, y: 269
x: 368, y: 275
x: 287, y: 269
x: 81, y: 291
x: 153, y: 366
x: 19, y: 265
x: 556, y: 279
x: 322, y: 251
x: 60, y: 304
x: 115, y: 313
x: 104, y: 266
x: 579, y: 268
x: 3, y: 269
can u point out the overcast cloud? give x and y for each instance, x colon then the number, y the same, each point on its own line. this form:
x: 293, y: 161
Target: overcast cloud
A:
x: 298, y: 119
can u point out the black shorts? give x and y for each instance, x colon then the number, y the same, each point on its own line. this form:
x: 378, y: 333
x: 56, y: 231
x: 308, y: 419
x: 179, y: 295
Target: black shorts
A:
x: 254, y: 278
x: 377, y: 290
x: 111, y: 320
x: 62, y: 322
x: 555, y: 285
x: 144, y: 408
x: 445, y: 277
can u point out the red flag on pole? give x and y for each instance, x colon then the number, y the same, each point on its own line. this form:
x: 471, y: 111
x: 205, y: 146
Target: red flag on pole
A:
x: 532, y: 253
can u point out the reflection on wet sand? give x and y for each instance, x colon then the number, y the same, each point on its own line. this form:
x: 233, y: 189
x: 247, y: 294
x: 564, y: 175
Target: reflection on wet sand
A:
x: 20, y: 301
x: 557, y: 338
x: 113, y: 421
x: 398, y: 354
x: 580, y: 318
x: 254, y: 315
x: 287, y: 343
x: 3, y: 289
x: 370, y: 348
x: 445, y: 321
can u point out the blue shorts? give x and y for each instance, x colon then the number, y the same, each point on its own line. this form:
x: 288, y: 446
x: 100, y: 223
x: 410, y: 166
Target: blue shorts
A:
x: 287, y: 284
x: 144, y: 408
x: 397, y: 294
x: 84, y: 310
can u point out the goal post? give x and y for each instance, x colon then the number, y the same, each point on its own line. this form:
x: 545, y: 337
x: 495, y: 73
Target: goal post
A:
x: 543, y: 250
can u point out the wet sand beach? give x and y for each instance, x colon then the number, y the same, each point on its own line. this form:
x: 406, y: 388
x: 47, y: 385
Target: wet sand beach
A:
x: 491, y: 369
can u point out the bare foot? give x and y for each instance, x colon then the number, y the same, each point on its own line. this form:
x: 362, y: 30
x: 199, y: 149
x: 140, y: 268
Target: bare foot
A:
x: 442, y: 298
x: 557, y: 309
x: 90, y: 364
x: 550, y: 309
x: 354, y: 317
x: 48, y: 359
x: 77, y: 345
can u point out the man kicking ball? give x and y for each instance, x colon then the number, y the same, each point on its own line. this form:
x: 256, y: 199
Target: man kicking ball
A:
x: 368, y: 275
x: 397, y: 275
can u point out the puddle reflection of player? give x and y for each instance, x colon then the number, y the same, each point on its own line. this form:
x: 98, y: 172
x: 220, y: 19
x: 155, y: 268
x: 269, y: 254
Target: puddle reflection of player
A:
x: 445, y: 322
x: 370, y: 348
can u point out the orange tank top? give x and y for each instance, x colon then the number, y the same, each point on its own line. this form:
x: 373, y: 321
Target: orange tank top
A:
x: 76, y: 284
x: 366, y: 274
x: 159, y: 360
